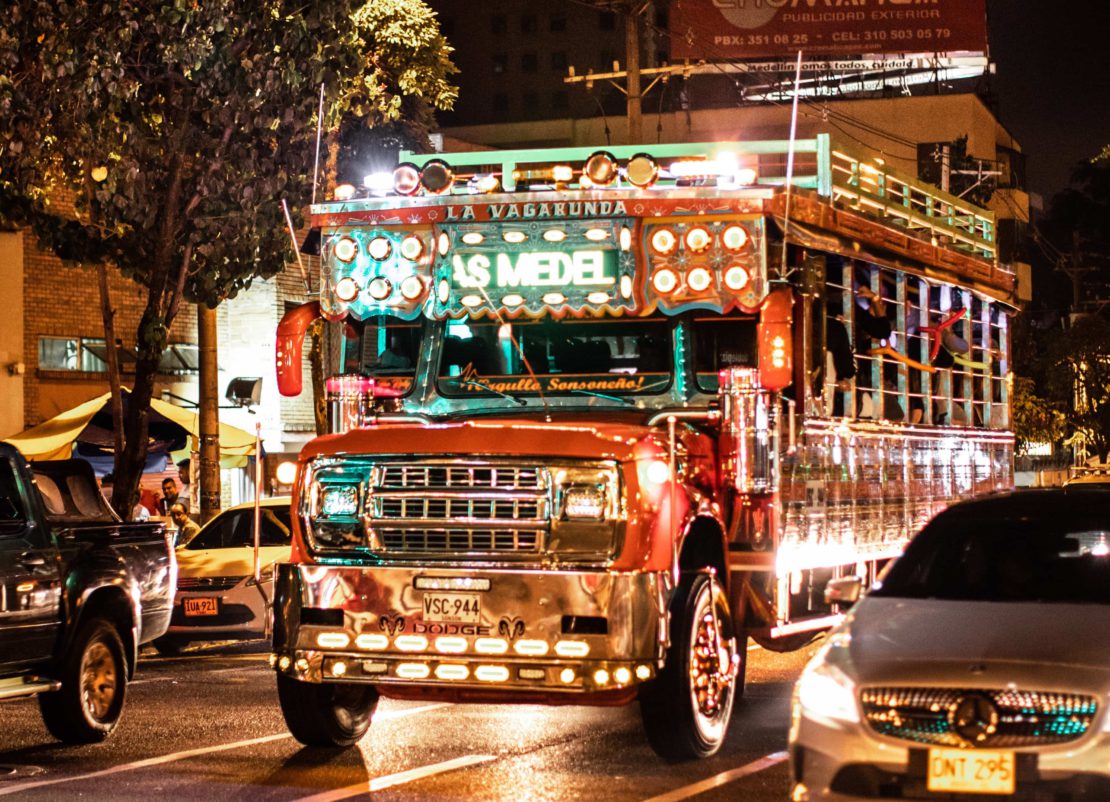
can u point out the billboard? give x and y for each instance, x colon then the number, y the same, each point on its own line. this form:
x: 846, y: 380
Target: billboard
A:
x: 732, y: 30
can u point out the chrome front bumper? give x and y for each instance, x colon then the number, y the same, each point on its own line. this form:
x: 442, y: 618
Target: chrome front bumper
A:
x: 546, y: 631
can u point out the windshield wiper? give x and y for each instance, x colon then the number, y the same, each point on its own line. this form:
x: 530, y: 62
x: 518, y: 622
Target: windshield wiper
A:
x: 487, y: 388
x: 621, y: 399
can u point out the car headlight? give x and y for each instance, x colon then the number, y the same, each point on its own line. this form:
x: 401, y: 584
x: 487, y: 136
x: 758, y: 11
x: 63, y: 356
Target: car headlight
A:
x: 825, y: 692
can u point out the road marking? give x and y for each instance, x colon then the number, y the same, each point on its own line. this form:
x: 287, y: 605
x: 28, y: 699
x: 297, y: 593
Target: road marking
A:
x: 400, y: 778
x: 724, y: 778
x: 387, y: 715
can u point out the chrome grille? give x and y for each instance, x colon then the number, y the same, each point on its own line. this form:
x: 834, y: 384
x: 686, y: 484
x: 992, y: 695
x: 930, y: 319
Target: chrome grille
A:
x: 1025, y: 718
x: 471, y: 477
x: 208, y: 583
x: 459, y: 508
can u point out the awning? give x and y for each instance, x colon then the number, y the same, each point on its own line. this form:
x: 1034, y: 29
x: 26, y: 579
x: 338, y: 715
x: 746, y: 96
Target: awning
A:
x: 172, y: 429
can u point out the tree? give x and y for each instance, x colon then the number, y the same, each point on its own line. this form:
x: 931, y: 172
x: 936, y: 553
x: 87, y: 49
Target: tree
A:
x: 176, y: 128
x: 1079, y: 380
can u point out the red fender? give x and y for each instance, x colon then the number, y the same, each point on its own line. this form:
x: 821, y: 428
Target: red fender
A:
x: 290, y: 346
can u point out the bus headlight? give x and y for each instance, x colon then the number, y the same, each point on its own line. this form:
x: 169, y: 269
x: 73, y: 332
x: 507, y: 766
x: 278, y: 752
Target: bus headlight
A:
x: 588, y: 511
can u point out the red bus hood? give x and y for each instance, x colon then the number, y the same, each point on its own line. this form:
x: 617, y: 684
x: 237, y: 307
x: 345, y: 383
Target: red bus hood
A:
x: 614, y: 435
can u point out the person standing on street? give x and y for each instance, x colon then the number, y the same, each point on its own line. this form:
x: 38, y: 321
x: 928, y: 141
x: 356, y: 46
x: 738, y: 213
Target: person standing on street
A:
x: 187, y: 528
x: 170, y: 496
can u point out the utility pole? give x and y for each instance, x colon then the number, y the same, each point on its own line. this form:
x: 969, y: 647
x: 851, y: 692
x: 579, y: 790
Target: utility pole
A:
x: 633, y: 88
x: 209, y: 474
x: 632, y: 63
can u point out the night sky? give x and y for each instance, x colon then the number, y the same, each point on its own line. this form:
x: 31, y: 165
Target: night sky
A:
x: 1053, y: 82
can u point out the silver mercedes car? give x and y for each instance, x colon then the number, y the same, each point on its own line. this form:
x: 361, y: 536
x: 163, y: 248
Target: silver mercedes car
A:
x: 977, y: 668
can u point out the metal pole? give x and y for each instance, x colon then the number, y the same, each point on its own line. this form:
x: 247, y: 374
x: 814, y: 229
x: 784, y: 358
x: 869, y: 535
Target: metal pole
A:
x: 208, y: 413
x: 257, y: 499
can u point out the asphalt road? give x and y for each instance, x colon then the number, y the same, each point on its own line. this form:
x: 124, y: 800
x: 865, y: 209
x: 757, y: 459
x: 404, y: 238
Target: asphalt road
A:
x: 206, y: 726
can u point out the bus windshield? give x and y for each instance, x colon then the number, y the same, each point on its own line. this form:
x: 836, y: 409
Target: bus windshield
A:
x: 383, y: 347
x: 608, y: 356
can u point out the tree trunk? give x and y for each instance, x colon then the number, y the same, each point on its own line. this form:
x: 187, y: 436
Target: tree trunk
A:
x: 111, y: 356
x: 125, y: 491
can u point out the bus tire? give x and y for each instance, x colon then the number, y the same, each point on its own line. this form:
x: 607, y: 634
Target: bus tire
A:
x: 326, y: 714
x: 686, y: 708
x: 94, y: 683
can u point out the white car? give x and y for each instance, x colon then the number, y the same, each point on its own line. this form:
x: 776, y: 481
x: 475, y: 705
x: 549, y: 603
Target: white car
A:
x: 978, y: 668
x: 217, y: 598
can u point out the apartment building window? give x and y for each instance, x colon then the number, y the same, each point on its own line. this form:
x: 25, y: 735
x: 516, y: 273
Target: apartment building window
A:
x: 528, y: 23
x: 557, y: 23
x: 529, y: 62
x: 607, y: 21
x: 559, y: 61
x: 559, y: 102
x: 500, y: 102
x: 500, y: 64
x: 498, y: 23
x: 71, y: 353
x: 531, y: 101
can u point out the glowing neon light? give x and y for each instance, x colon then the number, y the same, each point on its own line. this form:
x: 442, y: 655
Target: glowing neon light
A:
x: 698, y: 239
x: 491, y: 673
x: 664, y: 241
x: 372, y: 642
x: 535, y: 269
x: 412, y: 248
x: 699, y: 279
x: 665, y: 281
x: 380, y: 288
x: 554, y: 235
x: 413, y: 671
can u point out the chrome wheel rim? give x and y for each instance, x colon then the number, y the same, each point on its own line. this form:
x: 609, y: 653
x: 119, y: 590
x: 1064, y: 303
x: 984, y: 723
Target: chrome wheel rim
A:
x: 98, y: 680
x: 713, y: 664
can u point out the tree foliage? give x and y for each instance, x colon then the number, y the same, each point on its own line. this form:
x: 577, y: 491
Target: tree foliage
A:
x: 161, y: 136
x: 1079, y: 381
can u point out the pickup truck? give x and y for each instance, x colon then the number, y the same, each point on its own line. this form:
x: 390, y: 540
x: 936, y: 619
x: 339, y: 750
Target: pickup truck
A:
x: 80, y: 592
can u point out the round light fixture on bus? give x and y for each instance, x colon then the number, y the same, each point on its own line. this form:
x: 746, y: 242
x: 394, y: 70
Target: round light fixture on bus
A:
x: 663, y: 241
x: 346, y: 289
x: 286, y: 473
x: 734, y: 238
x: 437, y: 177
x: 626, y: 286
x: 626, y: 238
x: 664, y: 281
x: 379, y: 249
x: 601, y: 168
x: 699, y: 279
x: 562, y: 173
x: 345, y: 249
x: 514, y: 236
x: 698, y: 239
x: 597, y: 234
x: 471, y: 300
x: 379, y: 288
x: 484, y: 184
x: 513, y: 299
x: 736, y: 278
x: 598, y: 297
x: 412, y: 288
x: 642, y: 170
x: 554, y: 235
x: 554, y: 298
x: 344, y: 192
x: 443, y: 291
x: 443, y: 243
x: 472, y: 238
x: 412, y: 248
x: 406, y: 179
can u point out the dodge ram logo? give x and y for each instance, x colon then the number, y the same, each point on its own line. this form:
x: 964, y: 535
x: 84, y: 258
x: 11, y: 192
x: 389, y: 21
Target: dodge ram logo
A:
x: 392, y: 624
x: 510, y: 628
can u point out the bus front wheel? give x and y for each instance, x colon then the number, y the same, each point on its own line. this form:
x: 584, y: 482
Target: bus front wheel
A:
x: 326, y: 714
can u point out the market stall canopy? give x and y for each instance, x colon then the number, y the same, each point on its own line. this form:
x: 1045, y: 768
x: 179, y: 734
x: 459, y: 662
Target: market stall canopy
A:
x: 171, y: 429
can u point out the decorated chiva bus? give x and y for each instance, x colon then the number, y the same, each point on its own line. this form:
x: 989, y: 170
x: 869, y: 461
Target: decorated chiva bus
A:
x: 602, y: 417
